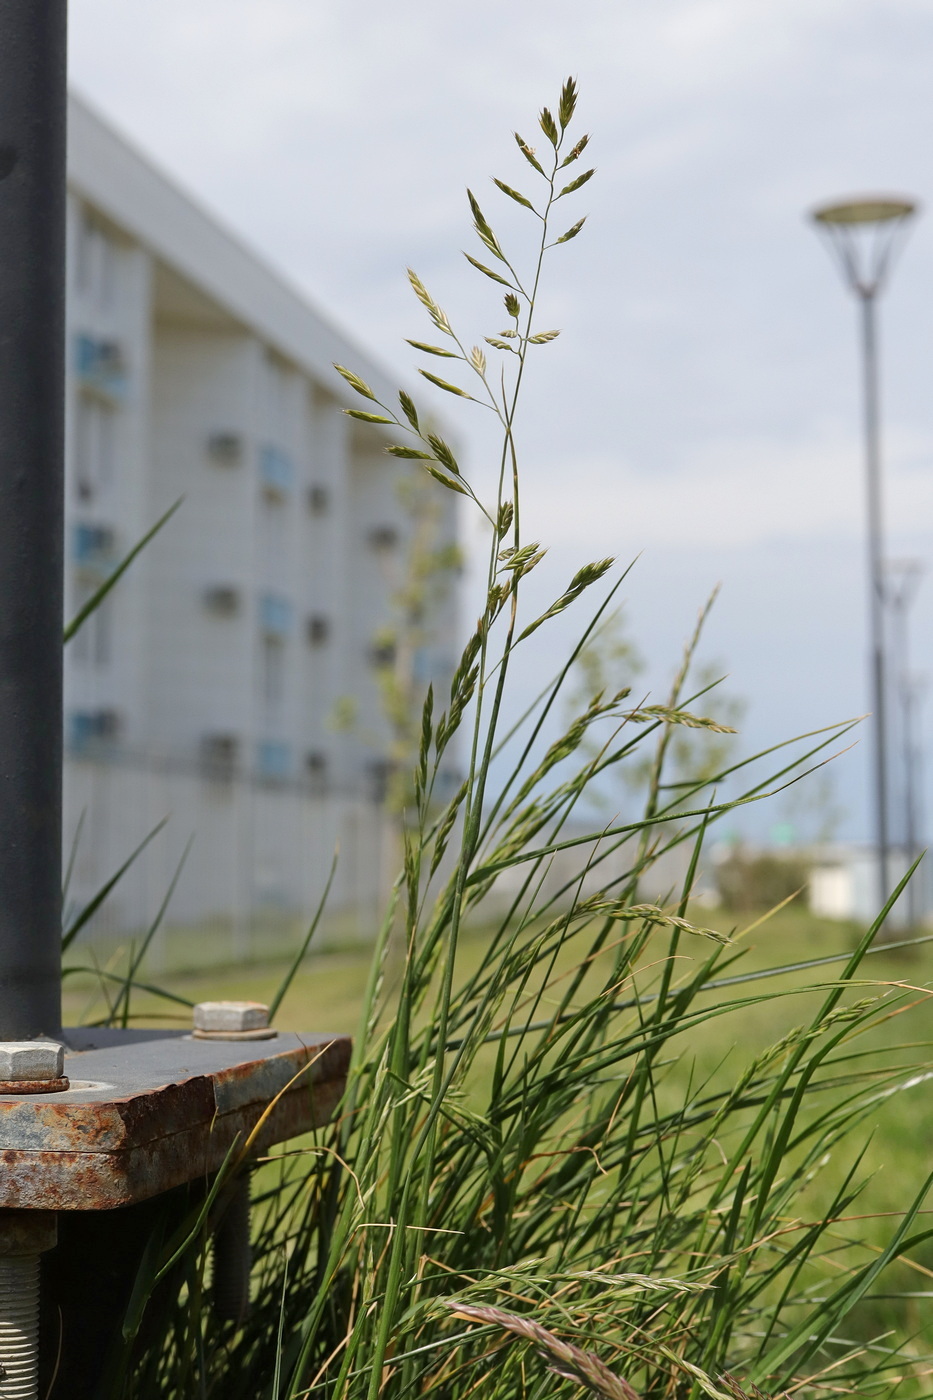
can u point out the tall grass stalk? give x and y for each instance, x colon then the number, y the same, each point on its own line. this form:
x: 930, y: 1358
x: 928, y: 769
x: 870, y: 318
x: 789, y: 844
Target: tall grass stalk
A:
x: 534, y: 1183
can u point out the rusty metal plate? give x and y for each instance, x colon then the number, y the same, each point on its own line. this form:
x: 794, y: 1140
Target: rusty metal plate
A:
x: 150, y: 1110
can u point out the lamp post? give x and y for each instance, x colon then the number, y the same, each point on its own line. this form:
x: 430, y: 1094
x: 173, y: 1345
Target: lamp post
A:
x: 863, y: 236
x: 903, y: 580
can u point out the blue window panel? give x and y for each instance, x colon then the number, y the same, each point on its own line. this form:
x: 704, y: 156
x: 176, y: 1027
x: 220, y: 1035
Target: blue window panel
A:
x: 423, y: 664
x: 275, y: 614
x: 86, y: 727
x: 92, y: 550
x: 84, y: 543
x: 275, y: 759
x: 99, y: 365
x: 82, y: 729
x: 92, y: 544
x: 85, y: 355
x: 275, y: 470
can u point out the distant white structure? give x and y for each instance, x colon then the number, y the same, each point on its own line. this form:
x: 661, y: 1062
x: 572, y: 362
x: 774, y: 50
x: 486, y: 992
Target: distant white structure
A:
x: 844, y: 885
x: 201, y: 690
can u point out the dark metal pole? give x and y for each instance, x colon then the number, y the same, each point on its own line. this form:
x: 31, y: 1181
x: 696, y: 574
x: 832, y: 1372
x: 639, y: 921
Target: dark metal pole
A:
x: 32, y: 297
x: 912, y: 764
x: 876, y: 585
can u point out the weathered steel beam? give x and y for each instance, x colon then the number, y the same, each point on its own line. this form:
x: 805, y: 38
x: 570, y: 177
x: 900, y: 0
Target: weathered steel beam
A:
x: 32, y: 329
x: 150, y: 1110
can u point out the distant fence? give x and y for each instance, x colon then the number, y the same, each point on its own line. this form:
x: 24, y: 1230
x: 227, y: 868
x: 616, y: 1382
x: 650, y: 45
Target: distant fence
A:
x: 260, y: 853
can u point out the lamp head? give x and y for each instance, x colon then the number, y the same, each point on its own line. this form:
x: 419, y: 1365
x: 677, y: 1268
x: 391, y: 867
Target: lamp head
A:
x: 863, y: 233
x: 868, y: 209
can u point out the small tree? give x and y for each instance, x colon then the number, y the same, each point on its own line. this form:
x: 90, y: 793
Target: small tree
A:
x: 611, y: 662
x: 418, y: 588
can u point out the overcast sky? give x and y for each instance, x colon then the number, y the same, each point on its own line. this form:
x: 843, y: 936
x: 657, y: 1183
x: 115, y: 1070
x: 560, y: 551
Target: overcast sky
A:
x: 701, y: 406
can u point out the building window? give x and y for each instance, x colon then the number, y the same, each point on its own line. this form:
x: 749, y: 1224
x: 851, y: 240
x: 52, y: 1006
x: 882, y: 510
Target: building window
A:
x: 275, y: 472
x: 318, y: 630
x: 94, y: 445
x: 91, y: 730
x: 95, y: 260
x: 422, y: 664
x: 93, y: 641
x: 447, y: 780
x: 273, y: 671
x: 276, y: 377
x: 93, y: 547
x: 273, y: 532
x: 100, y: 366
x: 275, y: 615
x: 274, y: 760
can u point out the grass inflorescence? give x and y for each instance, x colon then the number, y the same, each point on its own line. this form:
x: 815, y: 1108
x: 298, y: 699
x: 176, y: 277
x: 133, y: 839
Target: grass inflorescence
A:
x: 534, y: 1183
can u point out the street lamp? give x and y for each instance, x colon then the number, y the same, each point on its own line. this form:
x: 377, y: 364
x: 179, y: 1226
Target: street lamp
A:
x: 903, y: 580
x: 864, y: 235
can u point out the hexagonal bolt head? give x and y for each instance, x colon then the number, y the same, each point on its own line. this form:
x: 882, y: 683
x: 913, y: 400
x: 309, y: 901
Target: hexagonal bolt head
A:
x: 31, y: 1060
x: 230, y: 1016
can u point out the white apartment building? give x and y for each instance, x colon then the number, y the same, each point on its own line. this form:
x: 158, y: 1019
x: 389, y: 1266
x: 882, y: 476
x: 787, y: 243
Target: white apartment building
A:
x: 202, y: 693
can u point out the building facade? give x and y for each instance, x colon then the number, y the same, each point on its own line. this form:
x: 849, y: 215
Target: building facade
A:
x: 203, y: 692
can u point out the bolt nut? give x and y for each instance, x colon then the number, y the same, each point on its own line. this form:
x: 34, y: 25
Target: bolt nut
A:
x: 27, y: 1232
x: 32, y: 1060
x: 224, y: 1017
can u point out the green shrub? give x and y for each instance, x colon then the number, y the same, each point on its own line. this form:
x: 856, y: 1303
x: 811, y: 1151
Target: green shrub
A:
x: 747, y: 881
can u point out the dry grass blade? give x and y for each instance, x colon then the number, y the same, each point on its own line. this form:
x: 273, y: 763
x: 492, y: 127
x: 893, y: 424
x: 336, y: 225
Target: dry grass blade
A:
x: 563, y: 1358
x: 735, y: 1390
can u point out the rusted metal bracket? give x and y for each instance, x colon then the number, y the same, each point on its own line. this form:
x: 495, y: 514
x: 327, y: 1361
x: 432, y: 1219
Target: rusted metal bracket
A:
x: 149, y: 1118
x: 151, y: 1110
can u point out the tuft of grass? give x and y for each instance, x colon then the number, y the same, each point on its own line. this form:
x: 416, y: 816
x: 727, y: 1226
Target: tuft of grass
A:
x: 537, y: 1134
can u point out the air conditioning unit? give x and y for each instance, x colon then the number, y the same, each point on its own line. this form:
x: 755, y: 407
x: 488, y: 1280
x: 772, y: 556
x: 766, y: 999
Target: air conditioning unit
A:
x: 316, y: 770
x: 109, y: 723
x: 226, y: 449
x: 219, y: 755
x: 382, y: 654
x: 222, y: 599
x: 383, y: 537
x: 379, y: 774
x: 318, y: 629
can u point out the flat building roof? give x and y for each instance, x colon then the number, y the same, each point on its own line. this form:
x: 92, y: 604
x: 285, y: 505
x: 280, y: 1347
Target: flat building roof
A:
x: 125, y: 186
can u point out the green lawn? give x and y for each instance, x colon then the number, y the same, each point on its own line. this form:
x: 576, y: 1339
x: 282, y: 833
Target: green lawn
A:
x: 326, y: 994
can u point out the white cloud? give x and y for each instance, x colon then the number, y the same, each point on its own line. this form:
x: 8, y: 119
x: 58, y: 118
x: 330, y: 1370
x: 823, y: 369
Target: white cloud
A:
x: 734, y: 493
